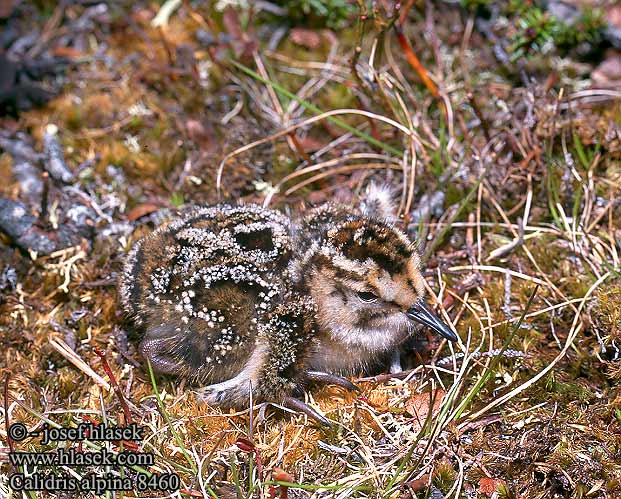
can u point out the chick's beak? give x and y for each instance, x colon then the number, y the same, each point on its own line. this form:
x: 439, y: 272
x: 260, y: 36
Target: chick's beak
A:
x: 421, y: 313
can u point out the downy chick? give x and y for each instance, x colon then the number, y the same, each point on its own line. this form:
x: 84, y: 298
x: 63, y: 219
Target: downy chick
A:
x: 240, y: 298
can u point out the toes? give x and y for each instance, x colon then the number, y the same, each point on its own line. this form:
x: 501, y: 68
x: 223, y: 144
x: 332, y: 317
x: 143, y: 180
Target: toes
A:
x: 299, y: 406
x: 211, y: 395
x: 331, y: 379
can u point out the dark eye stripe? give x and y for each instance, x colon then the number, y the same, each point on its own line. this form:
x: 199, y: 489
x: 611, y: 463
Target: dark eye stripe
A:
x: 367, y: 297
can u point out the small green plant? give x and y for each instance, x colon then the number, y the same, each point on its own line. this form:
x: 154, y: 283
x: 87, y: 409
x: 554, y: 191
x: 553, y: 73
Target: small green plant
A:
x: 535, y: 30
x: 319, y: 13
x: 176, y: 199
x: 585, y: 155
x: 438, y: 155
x: 586, y: 29
x: 538, y: 31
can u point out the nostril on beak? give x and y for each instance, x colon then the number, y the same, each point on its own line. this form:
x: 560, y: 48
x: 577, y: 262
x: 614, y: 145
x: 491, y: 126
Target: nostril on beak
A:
x: 423, y: 315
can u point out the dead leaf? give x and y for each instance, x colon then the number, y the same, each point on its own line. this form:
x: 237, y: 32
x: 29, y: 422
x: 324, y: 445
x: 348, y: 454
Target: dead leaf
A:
x: 245, y: 444
x: 608, y: 73
x: 420, y: 484
x: 488, y: 485
x: 141, y: 210
x: 198, y: 134
x: 6, y: 8
x: 243, y: 45
x: 310, y: 144
x: 305, y: 37
x: 143, y: 16
x: 191, y: 493
x: 227, y: 491
x: 230, y: 19
x: 281, y: 475
x: 68, y: 52
x: 418, y: 406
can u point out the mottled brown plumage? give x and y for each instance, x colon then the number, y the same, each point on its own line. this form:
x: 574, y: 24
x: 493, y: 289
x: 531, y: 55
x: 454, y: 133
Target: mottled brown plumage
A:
x: 241, y: 298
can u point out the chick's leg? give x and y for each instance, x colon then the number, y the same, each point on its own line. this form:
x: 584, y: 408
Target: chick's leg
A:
x: 331, y: 379
x: 299, y: 406
x: 288, y: 335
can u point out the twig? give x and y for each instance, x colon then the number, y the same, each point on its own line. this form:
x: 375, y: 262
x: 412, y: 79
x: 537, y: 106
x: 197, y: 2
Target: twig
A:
x: 115, y: 385
x: 6, y: 412
x: 414, y: 61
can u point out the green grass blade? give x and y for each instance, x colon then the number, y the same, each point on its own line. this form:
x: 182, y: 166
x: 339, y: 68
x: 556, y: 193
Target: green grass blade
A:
x: 311, y: 107
x: 169, y: 421
x: 489, y: 371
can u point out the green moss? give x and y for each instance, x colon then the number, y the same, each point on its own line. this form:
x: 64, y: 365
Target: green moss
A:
x: 606, y: 312
x: 73, y: 119
x: 136, y: 124
x: 318, y: 13
x: 336, y: 97
x: 444, y: 476
x: 587, y: 29
x: 537, y: 30
x: 567, y: 391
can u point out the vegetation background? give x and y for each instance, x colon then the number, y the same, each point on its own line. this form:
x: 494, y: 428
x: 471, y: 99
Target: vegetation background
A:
x: 499, y: 125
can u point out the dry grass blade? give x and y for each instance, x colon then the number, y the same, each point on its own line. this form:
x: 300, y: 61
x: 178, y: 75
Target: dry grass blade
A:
x: 338, y: 170
x: 309, y: 121
x: 576, y: 327
x: 68, y: 353
x: 493, y: 268
x: 319, y: 166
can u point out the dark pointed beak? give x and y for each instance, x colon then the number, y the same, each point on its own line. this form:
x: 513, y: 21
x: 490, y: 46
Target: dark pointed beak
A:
x: 421, y: 313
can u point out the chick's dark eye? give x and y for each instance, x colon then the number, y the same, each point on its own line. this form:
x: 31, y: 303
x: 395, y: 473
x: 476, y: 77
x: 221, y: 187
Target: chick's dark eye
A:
x: 366, y: 296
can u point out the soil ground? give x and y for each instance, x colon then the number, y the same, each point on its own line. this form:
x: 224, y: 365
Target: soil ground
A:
x: 501, y: 134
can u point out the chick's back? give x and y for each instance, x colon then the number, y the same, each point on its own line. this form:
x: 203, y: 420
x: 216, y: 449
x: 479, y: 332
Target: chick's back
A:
x: 198, y: 286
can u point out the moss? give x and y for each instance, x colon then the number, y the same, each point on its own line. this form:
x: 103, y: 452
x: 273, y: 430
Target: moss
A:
x: 283, y: 163
x: 333, y: 14
x: 98, y: 110
x: 568, y: 390
x: 74, y: 118
x: 535, y: 31
x: 6, y: 166
x: 606, y: 312
x: 586, y: 29
x: 444, y: 476
x: 337, y: 97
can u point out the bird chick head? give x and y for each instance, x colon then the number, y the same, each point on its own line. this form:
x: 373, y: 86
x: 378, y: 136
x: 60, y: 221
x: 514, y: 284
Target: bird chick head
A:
x: 366, y: 282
